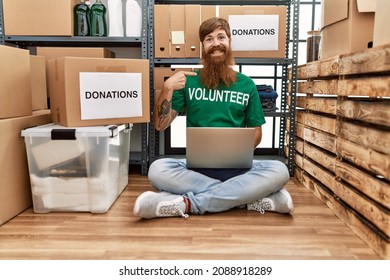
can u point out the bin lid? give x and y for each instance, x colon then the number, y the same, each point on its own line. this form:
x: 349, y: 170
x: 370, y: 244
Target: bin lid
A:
x: 58, y: 132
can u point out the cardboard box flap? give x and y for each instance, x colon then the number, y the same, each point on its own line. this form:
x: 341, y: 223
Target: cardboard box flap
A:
x: 334, y: 11
x: 366, y: 5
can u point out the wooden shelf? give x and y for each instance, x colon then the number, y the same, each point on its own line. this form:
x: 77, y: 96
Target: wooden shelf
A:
x: 342, y: 150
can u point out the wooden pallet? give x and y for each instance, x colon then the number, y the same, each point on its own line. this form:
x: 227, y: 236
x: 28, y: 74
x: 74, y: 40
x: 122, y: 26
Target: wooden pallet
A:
x: 342, y: 140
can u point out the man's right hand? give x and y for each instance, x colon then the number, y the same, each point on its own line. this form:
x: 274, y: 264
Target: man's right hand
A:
x: 178, y: 80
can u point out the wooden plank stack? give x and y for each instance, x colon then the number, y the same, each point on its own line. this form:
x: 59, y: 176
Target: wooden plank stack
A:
x: 342, y: 140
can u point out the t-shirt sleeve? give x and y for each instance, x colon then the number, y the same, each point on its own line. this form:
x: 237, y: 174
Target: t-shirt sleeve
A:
x: 178, y: 101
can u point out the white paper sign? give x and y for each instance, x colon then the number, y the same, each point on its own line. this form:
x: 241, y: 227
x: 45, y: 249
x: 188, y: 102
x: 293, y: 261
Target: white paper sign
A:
x: 178, y: 37
x: 254, y: 32
x: 110, y: 95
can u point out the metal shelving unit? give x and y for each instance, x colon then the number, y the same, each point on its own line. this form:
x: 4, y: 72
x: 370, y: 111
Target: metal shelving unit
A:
x: 292, y: 34
x: 141, y: 157
x: 149, y: 136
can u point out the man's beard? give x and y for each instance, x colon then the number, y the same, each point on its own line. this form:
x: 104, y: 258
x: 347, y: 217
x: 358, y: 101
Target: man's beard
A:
x: 218, y: 69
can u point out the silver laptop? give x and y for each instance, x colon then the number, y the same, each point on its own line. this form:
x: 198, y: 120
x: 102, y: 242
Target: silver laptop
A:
x: 212, y: 147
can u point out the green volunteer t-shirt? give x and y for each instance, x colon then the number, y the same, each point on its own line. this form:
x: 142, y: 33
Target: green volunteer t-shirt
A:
x: 236, y: 106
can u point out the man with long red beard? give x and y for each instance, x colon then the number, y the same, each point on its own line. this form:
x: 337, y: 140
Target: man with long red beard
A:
x: 214, y: 96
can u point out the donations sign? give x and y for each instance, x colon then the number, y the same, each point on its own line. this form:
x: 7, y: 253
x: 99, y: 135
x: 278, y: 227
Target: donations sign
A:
x: 254, y: 32
x: 110, y: 95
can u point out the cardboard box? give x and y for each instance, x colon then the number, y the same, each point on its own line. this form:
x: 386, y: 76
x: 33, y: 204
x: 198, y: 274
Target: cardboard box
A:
x: 15, y: 190
x: 55, y: 52
x: 381, y: 28
x: 78, y: 101
x: 161, y: 31
x: 257, y: 31
x: 38, y: 82
x: 38, y: 17
x: 15, y: 82
x: 177, y: 19
x: 191, y: 31
x: 347, y: 26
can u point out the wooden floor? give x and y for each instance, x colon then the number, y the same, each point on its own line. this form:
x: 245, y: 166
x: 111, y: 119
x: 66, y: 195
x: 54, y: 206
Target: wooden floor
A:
x: 311, y: 232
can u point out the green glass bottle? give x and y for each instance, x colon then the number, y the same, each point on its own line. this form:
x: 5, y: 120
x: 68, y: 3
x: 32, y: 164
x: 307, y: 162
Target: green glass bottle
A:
x: 81, y: 19
x: 98, y: 19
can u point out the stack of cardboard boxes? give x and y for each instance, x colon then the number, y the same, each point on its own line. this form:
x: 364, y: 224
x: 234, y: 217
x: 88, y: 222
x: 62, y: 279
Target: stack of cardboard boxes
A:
x: 23, y: 103
x: 353, y: 25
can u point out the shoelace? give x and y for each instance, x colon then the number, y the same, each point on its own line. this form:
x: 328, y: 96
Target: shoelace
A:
x: 260, y: 206
x: 172, y: 209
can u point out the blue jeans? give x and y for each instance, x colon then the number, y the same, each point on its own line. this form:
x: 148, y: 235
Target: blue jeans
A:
x: 208, y: 194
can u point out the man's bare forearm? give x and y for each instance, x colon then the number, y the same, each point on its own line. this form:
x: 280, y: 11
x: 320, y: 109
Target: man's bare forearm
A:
x: 163, y: 115
x: 163, y: 112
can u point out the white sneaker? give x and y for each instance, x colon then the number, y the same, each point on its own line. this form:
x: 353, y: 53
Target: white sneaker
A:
x: 159, y: 204
x: 280, y: 202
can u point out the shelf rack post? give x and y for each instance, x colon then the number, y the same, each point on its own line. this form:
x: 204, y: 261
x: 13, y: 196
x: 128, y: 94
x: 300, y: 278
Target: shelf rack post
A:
x: 153, y: 134
x: 2, y: 41
x: 293, y: 91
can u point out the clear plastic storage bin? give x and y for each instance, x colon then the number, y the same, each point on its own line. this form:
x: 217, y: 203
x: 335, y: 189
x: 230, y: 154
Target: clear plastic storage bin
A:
x: 77, y: 169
